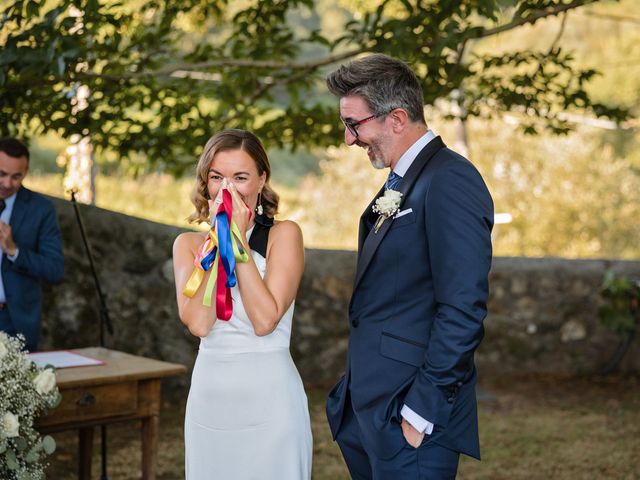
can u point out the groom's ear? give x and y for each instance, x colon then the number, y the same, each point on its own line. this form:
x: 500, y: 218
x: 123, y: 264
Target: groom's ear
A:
x: 399, y: 119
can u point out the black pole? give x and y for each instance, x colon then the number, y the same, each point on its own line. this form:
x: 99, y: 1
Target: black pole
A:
x: 105, y: 321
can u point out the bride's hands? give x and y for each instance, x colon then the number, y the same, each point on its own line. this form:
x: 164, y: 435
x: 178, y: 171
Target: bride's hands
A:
x: 241, y: 212
x: 214, y: 204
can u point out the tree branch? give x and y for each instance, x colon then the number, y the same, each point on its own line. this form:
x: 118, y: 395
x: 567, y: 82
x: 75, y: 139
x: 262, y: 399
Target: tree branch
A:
x: 533, y: 18
x: 560, y: 32
x: 227, y: 62
x: 263, y: 89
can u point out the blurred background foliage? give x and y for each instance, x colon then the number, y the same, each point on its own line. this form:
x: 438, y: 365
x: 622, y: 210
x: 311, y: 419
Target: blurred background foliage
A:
x: 150, y: 80
x: 572, y: 77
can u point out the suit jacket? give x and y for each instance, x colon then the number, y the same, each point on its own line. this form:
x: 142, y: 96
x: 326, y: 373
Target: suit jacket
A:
x: 417, y: 308
x: 37, y: 234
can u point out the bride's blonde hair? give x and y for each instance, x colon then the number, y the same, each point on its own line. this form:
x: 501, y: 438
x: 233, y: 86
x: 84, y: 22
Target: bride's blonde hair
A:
x: 231, y: 139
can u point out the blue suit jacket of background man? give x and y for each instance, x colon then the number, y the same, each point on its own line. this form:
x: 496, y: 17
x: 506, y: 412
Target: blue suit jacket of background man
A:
x: 37, y: 234
x: 417, y: 308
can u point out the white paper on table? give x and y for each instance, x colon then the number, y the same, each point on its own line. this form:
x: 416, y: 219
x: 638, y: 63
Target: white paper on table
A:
x: 62, y: 359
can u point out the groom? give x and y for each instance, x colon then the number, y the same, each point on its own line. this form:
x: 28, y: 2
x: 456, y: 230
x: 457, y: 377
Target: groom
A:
x: 406, y: 406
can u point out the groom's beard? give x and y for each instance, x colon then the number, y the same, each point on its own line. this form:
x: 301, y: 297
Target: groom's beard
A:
x: 378, y: 163
x: 376, y: 157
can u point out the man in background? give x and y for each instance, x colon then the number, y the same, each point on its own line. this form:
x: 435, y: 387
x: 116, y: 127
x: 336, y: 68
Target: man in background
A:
x: 30, y: 246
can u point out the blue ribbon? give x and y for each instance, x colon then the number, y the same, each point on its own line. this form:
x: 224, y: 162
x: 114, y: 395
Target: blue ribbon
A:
x: 227, y: 257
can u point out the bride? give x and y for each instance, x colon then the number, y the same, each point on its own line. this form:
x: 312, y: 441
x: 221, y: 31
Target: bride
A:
x: 247, y: 414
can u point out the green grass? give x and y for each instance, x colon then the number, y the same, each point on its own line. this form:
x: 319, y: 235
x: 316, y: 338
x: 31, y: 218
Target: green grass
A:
x: 537, y: 427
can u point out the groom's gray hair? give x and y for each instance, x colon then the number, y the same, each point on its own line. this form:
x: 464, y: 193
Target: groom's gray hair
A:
x: 383, y: 82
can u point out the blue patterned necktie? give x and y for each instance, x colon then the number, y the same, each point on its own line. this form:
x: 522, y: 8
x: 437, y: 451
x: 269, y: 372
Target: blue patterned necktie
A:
x: 393, y: 180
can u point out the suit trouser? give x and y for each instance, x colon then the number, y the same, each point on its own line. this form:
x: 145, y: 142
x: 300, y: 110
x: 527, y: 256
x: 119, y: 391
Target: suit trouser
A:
x: 7, y: 326
x: 430, y: 461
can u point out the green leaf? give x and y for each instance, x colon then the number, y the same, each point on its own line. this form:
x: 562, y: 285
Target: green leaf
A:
x: 48, y: 444
x: 32, y: 456
x: 12, y: 461
x: 55, y: 401
x: 33, y: 9
x: 20, y: 443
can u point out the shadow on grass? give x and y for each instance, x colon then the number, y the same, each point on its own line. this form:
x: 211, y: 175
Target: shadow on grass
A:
x: 531, y: 427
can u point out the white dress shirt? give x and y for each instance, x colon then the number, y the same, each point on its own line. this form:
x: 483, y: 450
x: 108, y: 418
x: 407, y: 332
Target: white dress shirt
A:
x: 412, y: 152
x: 5, y: 216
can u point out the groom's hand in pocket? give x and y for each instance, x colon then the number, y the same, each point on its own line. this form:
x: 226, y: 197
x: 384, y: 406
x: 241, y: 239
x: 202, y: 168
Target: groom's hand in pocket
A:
x: 411, y: 435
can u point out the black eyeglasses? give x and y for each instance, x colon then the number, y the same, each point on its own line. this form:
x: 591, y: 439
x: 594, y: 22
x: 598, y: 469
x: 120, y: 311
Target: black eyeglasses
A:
x: 352, y: 126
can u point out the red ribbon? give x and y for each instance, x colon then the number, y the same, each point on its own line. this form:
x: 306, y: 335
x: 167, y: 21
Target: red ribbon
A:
x: 224, y: 304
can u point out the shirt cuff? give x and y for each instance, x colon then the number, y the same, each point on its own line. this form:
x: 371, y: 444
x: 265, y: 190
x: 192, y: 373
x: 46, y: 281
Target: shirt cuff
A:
x: 14, y: 256
x: 416, y: 421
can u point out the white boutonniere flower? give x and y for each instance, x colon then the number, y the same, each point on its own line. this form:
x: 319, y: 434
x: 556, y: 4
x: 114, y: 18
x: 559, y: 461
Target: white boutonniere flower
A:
x: 386, y: 206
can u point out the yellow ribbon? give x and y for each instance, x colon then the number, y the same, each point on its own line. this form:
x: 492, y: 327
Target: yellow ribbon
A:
x: 197, y: 276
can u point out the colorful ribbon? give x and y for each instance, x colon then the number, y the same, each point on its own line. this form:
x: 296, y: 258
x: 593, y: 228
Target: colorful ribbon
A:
x: 219, y: 253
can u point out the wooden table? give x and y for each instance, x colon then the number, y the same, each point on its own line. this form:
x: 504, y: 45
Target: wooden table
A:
x: 126, y: 387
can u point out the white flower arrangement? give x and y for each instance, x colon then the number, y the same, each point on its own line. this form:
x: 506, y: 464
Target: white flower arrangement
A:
x: 387, y: 206
x: 26, y: 391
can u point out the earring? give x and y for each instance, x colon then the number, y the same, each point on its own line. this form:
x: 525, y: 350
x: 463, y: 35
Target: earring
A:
x: 259, y: 209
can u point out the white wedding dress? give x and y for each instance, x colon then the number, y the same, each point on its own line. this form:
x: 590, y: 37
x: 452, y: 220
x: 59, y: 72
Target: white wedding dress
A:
x: 247, y: 415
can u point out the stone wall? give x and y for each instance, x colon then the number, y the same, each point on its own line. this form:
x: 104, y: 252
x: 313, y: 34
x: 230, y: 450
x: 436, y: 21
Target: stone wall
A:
x: 542, y: 311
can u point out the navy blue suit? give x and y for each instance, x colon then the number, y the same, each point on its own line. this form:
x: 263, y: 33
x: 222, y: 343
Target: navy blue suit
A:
x: 417, y: 309
x: 37, y: 234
